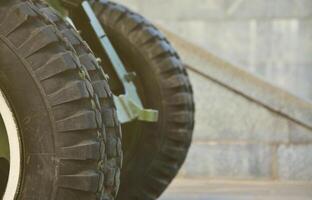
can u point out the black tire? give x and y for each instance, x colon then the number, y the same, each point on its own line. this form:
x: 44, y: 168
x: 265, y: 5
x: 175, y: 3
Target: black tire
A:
x: 154, y: 152
x: 70, y: 136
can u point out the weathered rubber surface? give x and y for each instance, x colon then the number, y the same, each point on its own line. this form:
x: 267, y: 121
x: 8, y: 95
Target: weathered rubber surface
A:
x: 112, y: 159
x: 70, y: 134
x: 163, y: 146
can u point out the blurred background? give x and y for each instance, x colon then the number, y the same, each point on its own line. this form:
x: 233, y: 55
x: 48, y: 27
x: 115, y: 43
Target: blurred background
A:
x: 250, y: 63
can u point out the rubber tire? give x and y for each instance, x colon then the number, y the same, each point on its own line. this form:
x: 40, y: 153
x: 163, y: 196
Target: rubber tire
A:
x: 63, y: 122
x: 163, y: 146
x: 112, y: 160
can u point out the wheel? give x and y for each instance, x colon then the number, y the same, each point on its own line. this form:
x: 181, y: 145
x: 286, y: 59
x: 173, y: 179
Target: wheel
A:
x: 62, y: 133
x: 154, y: 152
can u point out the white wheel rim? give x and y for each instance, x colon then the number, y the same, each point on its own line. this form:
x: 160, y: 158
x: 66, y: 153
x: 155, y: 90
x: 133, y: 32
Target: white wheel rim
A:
x: 15, y: 150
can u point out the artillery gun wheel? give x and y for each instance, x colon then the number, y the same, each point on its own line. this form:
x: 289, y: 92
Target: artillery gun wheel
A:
x: 153, y: 152
x: 67, y: 133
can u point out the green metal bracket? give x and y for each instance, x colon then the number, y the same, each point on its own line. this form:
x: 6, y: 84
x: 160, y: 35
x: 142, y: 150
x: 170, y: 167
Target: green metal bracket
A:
x: 4, y: 141
x: 129, y: 110
x: 129, y: 106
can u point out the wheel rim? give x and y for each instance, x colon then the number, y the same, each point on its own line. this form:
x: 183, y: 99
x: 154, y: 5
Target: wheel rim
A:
x: 9, y: 134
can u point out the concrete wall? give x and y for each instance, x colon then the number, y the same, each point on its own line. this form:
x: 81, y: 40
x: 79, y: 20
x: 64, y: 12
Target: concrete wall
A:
x: 271, y: 38
x: 236, y: 138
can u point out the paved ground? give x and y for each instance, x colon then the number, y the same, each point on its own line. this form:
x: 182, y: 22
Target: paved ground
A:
x: 224, y: 190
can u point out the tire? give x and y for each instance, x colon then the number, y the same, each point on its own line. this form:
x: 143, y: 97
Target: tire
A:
x: 154, y: 152
x: 70, y: 136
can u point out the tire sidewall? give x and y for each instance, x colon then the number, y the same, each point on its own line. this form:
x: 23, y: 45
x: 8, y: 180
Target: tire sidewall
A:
x: 35, y: 127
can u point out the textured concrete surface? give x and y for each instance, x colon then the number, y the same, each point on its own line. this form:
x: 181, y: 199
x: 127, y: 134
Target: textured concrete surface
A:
x: 217, y: 160
x: 294, y: 162
x: 299, y: 134
x: 240, y: 120
x: 235, y: 137
x: 224, y: 190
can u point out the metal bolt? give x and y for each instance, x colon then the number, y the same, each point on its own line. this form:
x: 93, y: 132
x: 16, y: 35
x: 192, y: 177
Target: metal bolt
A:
x: 99, y: 60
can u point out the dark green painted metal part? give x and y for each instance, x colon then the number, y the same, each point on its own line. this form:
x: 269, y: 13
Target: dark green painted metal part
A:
x: 56, y: 4
x: 4, y: 142
x: 129, y: 106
